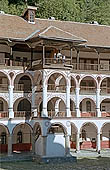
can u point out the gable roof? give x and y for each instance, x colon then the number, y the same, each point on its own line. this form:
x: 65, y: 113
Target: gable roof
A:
x: 55, y: 33
x: 15, y: 27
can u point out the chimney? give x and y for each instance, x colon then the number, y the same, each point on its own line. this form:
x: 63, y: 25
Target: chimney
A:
x: 29, y: 14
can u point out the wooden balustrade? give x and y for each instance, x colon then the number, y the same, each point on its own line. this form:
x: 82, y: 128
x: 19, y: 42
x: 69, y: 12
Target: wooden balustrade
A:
x: 4, y: 114
x: 26, y: 114
x: 87, y: 90
x: 88, y: 114
x: 58, y: 88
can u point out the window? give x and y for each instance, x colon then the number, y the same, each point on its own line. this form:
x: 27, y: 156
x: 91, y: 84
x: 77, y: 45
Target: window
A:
x: 103, y: 108
x: 19, y: 137
x: 88, y: 106
x: 3, y: 138
x: 32, y: 15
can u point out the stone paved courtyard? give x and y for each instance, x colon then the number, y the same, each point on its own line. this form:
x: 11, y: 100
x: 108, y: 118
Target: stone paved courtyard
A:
x: 87, y: 160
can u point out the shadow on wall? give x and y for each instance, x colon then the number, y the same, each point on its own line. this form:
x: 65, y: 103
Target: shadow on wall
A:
x: 55, y: 145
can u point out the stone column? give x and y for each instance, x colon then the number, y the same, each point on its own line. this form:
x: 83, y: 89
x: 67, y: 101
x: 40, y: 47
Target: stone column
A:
x: 98, y: 103
x: 77, y: 103
x: 67, y: 144
x: 9, y: 144
x: 77, y: 142
x: 98, y: 143
x: 68, y: 113
x: 44, y: 97
x: 34, y: 109
x: 10, y: 109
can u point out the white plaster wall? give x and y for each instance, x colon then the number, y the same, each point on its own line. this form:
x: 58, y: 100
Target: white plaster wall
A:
x: 38, y: 146
x: 55, y: 145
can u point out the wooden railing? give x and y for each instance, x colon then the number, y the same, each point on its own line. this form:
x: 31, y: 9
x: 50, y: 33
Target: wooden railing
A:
x: 87, y: 90
x: 88, y: 114
x: 26, y: 114
x: 105, y: 90
x: 3, y: 87
x: 57, y: 61
x: 53, y: 114
x: 105, y: 114
x: 21, y: 87
x: 4, y: 114
x: 59, y: 88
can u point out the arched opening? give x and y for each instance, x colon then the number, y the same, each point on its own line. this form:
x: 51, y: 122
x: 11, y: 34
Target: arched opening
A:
x: 22, y: 138
x: 57, y: 83
x: 72, y: 108
x: 56, y: 140
x: 3, y: 108
x: 88, y: 136
x: 3, y: 139
x: 73, y: 136
x: 23, y: 84
x: 22, y: 108
x: 87, y: 108
x: 105, y: 136
x: 56, y: 107
x: 73, y: 85
x: 87, y: 85
x: 105, y: 108
x: 4, y: 82
x: 105, y: 86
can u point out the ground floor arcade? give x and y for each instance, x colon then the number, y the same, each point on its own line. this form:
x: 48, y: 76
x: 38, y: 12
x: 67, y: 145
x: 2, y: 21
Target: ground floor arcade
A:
x: 47, y: 137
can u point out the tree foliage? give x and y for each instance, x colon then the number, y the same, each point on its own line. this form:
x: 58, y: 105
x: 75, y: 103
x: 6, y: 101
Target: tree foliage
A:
x: 71, y: 10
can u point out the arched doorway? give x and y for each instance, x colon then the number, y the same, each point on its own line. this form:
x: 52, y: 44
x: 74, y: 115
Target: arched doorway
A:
x: 23, y: 83
x: 57, y: 83
x: 87, y: 108
x: 87, y: 85
x: 22, y: 138
x: 105, y: 136
x: 88, y: 136
x: 3, y: 139
x: 22, y: 107
x: 56, y: 107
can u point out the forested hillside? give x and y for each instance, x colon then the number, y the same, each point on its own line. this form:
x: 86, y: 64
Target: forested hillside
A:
x: 74, y: 10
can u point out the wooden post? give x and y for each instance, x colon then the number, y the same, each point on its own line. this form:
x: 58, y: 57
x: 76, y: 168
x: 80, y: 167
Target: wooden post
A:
x: 43, y: 54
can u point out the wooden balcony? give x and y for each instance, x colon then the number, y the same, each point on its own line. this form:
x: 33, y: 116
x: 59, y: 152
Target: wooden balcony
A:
x: 105, y: 90
x: 88, y: 114
x: 4, y: 114
x: 3, y: 87
x: 53, y: 114
x: 87, y: 90
x: 59, y: 88
x: 105, y: 114
x: 21, y: 87
x: 25, y: 114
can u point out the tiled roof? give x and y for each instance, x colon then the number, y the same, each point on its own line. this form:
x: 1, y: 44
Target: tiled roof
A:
x: 15, y: 27
x: 55, y: 33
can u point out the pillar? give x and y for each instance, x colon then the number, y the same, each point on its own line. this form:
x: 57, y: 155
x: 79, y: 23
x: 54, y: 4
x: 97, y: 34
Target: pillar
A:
x: 10, y: 90
x: 77, y: 142
x: 34, y: 109
x: 9, y: 144
x: 67, y: 144
x: 78, y: 60
x: 98, y: 143
x: 68, y: 113
x: 44, y: 97
x: 98, y: 103
x: 77, y: 103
